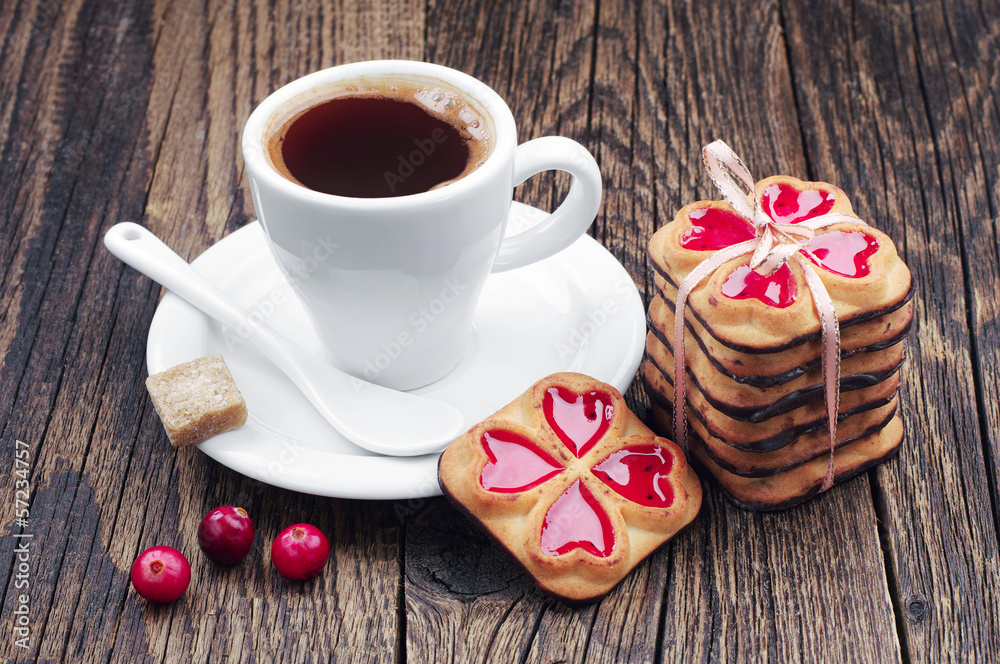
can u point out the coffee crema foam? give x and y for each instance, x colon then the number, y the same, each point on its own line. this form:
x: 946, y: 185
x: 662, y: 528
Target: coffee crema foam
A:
x: 379, y: 139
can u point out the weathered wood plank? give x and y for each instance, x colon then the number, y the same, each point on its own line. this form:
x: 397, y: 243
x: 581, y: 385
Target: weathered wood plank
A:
x: 742, y: 586
x: 622, y: 627
x: 466, y: 600
x: 67, y: 125
x: 622, y: 144
x: 537, y: 56
x: 197, y: 192
x: 131, y: 115
x: 973, y: 35
x: 898, y: 127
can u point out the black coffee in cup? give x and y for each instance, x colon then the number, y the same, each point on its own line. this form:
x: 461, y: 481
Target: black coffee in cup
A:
x: 379, y: 140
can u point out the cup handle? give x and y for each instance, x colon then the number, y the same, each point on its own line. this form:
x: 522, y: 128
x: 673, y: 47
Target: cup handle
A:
x: 570, y: 220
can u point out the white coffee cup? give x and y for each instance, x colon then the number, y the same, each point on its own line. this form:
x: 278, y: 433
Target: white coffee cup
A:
x: 392, y: 283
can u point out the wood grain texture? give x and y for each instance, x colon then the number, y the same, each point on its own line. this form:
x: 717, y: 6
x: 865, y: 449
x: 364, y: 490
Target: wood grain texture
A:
x: 141, y: 120
x: 762, y: 578
x: 536, y: 55
x: 920, y: 166
x: 133, y: 110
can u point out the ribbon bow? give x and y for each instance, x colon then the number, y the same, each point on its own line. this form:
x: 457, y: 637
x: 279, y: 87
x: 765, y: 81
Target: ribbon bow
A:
x: 773, y: 245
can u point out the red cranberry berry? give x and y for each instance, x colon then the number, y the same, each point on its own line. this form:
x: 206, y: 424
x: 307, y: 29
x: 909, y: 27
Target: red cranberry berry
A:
x: 300, y: 551
x: 226, y: 534
x: 161, y: 574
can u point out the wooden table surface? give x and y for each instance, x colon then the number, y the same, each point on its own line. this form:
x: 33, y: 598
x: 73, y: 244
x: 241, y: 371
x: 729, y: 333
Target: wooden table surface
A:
x: 115, y: 110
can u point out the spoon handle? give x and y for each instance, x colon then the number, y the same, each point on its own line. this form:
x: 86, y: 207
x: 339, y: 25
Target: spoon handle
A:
x: 355, y: 408
x: 138, y: 247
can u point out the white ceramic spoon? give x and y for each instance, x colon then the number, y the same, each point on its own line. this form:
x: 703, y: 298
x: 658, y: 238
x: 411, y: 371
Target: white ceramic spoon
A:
x: 373, y: 417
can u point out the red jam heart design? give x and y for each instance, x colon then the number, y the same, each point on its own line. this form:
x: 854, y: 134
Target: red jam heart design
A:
x: 777, y: 289
x: 578, y: 419
x: 843, y: 252
x: 639, y: 474
x: 787, y: 205
x: 515, y: 463
x: 713, y: 229
x: 577, y: 521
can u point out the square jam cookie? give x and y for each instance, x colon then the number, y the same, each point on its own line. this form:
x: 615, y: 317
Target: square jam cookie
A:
x: 572, y: 484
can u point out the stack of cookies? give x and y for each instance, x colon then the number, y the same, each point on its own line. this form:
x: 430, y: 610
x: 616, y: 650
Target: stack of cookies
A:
x: 757, y: 417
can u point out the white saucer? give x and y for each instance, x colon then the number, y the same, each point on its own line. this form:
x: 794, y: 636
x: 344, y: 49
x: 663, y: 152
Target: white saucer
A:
x: 576, y: 311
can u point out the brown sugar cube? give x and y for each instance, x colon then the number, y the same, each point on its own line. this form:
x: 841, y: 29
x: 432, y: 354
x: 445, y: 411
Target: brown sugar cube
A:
x: 197, y: 400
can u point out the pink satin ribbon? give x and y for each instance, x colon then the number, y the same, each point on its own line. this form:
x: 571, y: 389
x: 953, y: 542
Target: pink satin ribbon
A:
x: 774, y: 244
